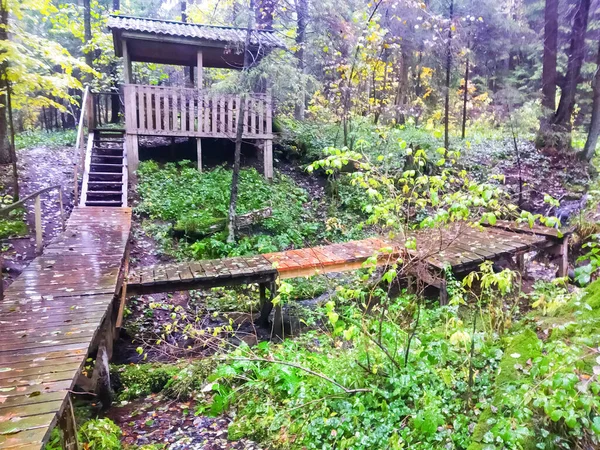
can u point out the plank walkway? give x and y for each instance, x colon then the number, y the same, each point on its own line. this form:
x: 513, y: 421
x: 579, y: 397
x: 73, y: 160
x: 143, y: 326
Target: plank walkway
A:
x: 459, y: 245
x: 49, y: 318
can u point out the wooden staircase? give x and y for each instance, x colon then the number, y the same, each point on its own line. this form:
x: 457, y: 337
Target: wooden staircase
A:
x: 105, y: 175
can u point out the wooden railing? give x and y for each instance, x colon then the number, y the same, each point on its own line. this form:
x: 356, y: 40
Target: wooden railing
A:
x: 86, y: 117
x: 39, y: 239
x: 172, y: 111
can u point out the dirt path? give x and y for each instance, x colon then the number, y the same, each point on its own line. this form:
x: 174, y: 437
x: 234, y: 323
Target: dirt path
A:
x: 39, y: 167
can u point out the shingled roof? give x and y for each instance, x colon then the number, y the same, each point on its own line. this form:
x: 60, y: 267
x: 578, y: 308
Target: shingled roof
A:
x: 217, y: 34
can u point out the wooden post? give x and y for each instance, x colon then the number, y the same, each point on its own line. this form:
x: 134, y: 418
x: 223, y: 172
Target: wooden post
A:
x: 127, y: 71
x: 68, y: 427
x: 200, y: 65
x: 268, y: 158
x: 520, y: 260
x: 62, y: 210
x: 199, y: 151
x: 39, y: 243
x: 443, y: 291
x: 563, y: 257
x: 133, y: 159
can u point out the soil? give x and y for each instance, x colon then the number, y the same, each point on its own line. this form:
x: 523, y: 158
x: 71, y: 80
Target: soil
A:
x: 156, y: 420
x: 38, y: 168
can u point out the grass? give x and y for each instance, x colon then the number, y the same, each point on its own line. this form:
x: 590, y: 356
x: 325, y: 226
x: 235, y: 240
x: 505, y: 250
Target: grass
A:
x: 39, y: 138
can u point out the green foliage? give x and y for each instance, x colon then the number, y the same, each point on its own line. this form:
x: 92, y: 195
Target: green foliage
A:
x: 584, y: 273
x: 14, y: 224
x: 93, y: 434
x: 194, y: 201
x: 138, y: 380
x: 100, y: 434
x: 39, y: 138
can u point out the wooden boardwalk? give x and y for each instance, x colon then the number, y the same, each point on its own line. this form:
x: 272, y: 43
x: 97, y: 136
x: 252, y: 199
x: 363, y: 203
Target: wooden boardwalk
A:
x: 459, y: 246
x: 50, y: 317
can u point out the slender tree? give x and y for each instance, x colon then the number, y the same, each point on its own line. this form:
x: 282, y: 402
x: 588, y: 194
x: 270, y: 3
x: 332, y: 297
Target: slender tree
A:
x: 448, y: 71
x: 465, y: 94
x: 5, y: 153
x: 592, y: 140
x: 87, y: 32
x: 562, y: 119
x: 248, y: 59
x: 301, y: 22
x: 549, y: 56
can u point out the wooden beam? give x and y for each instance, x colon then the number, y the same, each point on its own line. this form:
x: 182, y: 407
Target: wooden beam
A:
x: 199, y: 152
x: 127, y: 72
x: 133, y: 159
x: 200, y: 65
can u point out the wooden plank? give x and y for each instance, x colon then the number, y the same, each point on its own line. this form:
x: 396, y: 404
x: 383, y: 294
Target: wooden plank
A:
x: 30, y: 439
x: 15, y: 414
x: 183, y: 106
x: 221, y: 128
x: 27, y: 423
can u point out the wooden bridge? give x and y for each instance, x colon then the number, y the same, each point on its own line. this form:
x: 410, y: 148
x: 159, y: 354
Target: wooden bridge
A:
x: 52, y: 317
x: 460, y: 248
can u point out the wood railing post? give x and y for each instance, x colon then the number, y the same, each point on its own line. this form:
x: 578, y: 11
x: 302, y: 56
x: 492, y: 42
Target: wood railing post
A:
x: 62, y: 209
x: 39, y: 243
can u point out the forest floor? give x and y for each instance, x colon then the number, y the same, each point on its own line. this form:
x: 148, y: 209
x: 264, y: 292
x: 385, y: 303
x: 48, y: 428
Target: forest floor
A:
x: 38, y: 168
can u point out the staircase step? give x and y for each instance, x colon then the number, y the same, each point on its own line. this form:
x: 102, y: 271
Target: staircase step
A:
x: 119, y: 192
x: 105, y: 131
x: 112, y: 174
x: 104, y: 183
x: 107, y: 156
x: 103, y: 203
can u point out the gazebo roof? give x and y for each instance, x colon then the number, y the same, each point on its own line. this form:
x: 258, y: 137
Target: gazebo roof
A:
x: 170, y: 42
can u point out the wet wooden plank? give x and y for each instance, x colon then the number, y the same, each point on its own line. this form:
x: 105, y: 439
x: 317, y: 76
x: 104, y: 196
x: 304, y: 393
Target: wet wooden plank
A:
x: 31, y: 439
x: 66, y: 364
x: 16, y: 413
x: 10, y: 427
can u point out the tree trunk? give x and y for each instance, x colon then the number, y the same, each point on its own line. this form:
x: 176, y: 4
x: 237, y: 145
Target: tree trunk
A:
x: 447, y: 85
x: 87, y: 31
x: 590, y: 144
x: 239, y: 132
x: 184, y: 11
x: 562, y: 119
x: 301, y: 21
x: 465, y: 98
x: 549, y: 58
x: 13, y: 150
x: 116, y: 5
x: 5, y: 152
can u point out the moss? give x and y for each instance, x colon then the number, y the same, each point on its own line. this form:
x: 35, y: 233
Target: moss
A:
x: 522, y: 347
x: 137, y: 380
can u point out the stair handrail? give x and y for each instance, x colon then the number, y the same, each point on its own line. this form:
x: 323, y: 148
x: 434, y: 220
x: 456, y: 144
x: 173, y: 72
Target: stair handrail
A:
x: 86, y: 115
x: 39, y: 240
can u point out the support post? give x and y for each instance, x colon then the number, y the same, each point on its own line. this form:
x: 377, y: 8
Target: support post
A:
x: 443, y: 291
x: 127, y: 72
x: 39, y: 242
x: 199, y: 152
x: 133, y: 159
x: 200, y: 65
x: 62, y: 209
x: 520, y: 260
x: 266, y: 305
x: 68, y: 427
x: 268, y: 158
x: 563, y: 257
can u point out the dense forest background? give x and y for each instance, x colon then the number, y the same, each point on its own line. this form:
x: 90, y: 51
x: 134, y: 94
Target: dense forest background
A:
x: 527, y: 63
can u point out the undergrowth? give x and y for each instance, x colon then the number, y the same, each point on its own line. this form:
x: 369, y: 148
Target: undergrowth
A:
x: 192, y: 208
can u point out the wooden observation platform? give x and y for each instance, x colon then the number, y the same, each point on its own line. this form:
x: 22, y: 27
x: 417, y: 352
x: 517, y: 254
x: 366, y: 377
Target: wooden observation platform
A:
x: 192, y: 111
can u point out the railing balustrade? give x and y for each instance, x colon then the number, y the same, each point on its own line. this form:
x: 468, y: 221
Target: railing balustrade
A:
x: 174, y: 111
